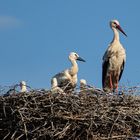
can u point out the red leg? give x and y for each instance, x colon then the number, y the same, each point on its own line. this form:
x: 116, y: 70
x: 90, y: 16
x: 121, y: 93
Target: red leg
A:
x: 111, y: 85
x: 117, y: 87
x: 116, y: 84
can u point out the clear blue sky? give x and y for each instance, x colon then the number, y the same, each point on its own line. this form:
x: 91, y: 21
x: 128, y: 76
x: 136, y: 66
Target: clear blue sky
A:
x: 36, y: 38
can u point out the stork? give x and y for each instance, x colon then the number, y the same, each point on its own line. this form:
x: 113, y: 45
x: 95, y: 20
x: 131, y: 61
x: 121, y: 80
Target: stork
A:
x: 83, y: 84
x: 13, y: 89
x: 55, y: 88
x: 23, y: 86
x: 67, y: 79
x: 113, y: 60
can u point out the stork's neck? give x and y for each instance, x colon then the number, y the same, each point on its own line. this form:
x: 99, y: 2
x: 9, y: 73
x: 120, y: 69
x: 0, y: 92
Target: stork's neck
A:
x: 74, y: 68
x: 116, y: 35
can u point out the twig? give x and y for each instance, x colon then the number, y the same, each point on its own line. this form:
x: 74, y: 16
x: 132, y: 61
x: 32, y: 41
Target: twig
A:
x: 113, y: 125
x: 25, y: 128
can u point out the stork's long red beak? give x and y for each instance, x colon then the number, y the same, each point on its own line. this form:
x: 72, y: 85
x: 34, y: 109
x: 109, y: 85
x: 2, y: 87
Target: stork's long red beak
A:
x: 119, y: 28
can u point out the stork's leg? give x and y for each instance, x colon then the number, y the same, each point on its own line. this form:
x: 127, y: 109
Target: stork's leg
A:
x: 110, y: 80
x: 116, y: 84
x: 115, y: 89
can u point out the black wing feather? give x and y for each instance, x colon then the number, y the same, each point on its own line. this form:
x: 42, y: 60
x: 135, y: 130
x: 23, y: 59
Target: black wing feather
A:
x: 122, y: 68
x: 104, y: 71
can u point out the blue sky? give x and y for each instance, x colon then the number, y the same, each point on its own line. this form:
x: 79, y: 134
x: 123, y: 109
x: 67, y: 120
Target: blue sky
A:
x: 36, y: 38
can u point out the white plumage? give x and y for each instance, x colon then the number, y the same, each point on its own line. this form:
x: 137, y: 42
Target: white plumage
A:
x: 23, y: 86
x: 67, y: 79
x: 113, y: 60
x: 83, y: 84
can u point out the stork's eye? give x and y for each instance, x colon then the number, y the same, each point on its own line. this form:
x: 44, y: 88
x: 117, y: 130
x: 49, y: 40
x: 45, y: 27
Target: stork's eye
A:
x: 115, y: 23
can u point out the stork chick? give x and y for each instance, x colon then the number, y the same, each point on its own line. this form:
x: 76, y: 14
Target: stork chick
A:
x: 113, y: 60
x: 55, y: 88
x: 67, y: 79
x: 23, y: 86
x: 83, y: 84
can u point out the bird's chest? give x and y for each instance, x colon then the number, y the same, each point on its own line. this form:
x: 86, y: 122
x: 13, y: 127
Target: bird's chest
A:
x: 116, y: 59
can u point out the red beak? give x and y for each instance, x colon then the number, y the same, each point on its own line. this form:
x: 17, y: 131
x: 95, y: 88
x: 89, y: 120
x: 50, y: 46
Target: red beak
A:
x: 119, y: 28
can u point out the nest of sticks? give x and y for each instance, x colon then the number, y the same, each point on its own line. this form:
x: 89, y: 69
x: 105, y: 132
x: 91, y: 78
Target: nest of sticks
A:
x: 89, y: 115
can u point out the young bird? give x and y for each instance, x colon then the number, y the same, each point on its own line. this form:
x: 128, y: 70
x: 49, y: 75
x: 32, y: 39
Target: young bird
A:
x: 23, y: 87
x: 83, y: 84
x: 67, y: 79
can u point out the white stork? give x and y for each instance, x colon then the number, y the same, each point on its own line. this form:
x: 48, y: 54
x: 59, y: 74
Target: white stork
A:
x: 83, y: 84
x: 55, y: 88
x: 23, y: 87
x: 113, y: 60
x: 67, y: 79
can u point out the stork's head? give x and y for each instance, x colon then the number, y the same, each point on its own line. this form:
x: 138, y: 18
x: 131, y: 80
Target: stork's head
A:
x: 75, y: 56
x: 115, y: 24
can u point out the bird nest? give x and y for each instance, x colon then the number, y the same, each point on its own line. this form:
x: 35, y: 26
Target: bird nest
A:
x: 40, y: 115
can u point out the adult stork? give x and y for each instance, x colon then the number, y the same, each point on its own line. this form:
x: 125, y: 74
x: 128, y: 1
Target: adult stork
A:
x: 113, y: 60
x: 67, y: 79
